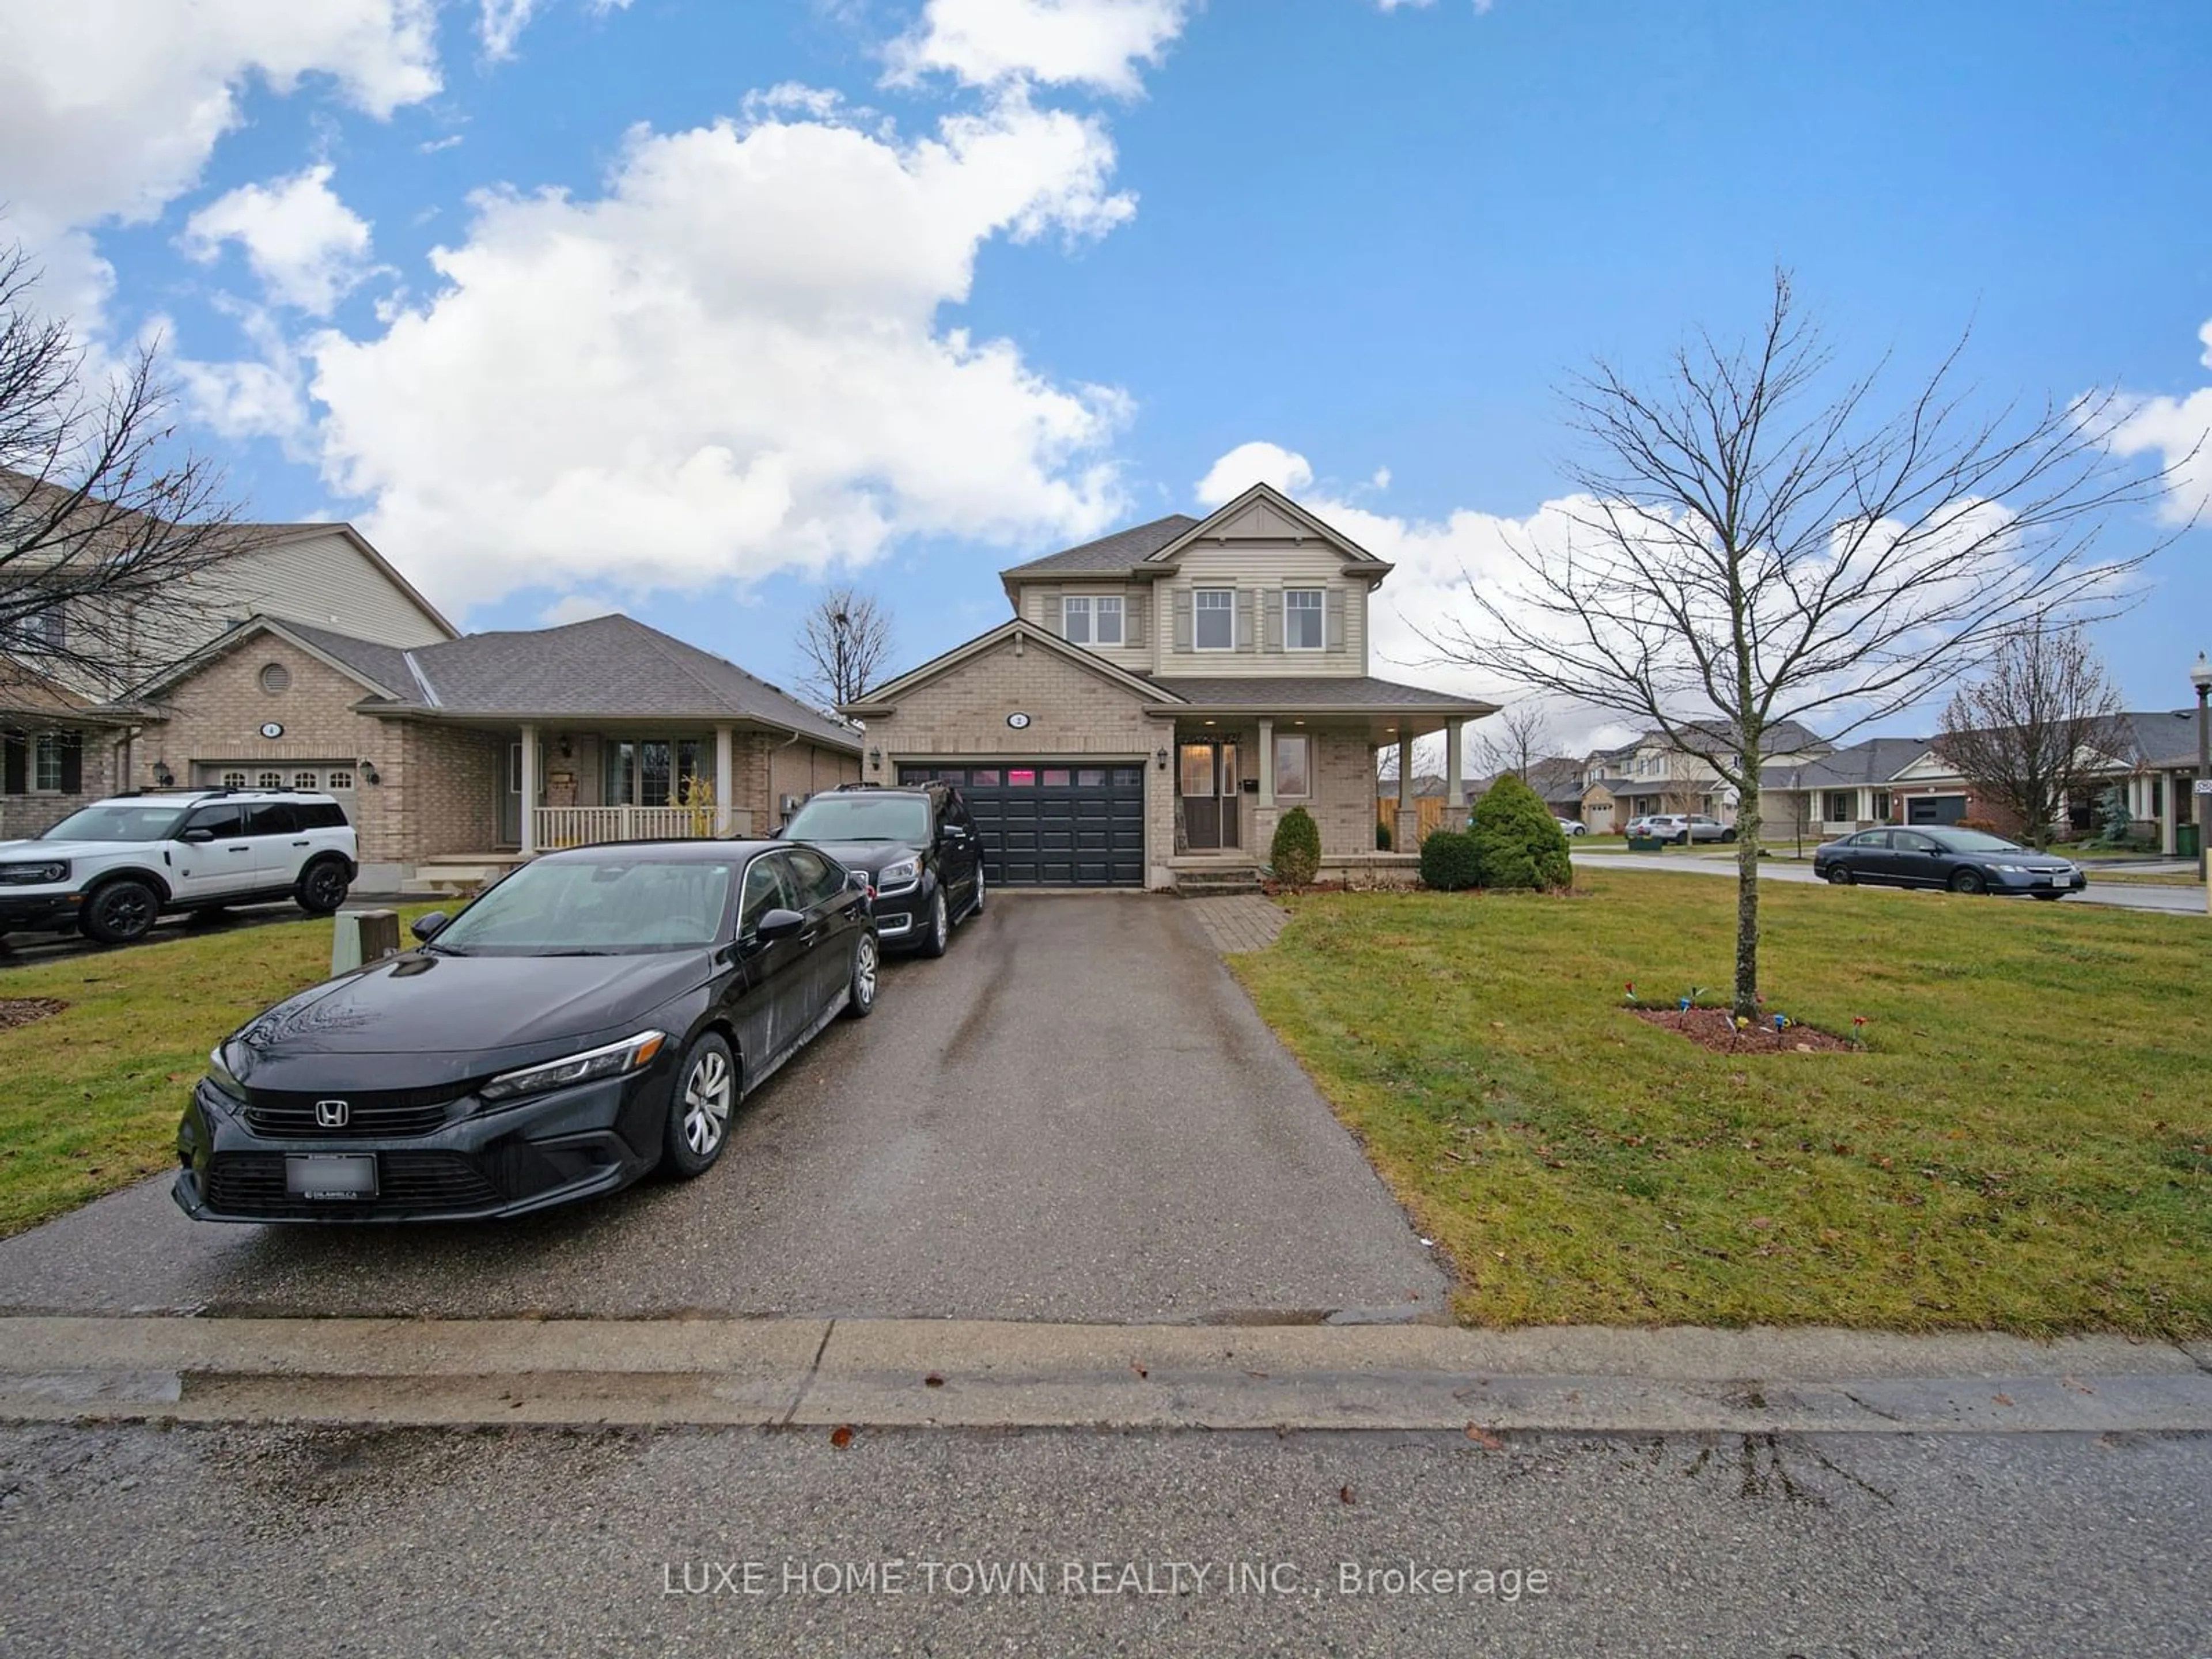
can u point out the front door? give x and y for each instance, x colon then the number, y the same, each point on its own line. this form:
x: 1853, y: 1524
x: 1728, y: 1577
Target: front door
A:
x: 1207, y: 777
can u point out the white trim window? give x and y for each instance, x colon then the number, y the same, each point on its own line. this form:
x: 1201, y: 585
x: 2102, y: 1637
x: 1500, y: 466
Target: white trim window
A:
x: 1107, y: 608
x: 1090, y: 619
x: 1303, y: 626
x: 46, y: 763
x: 1075, y: 619
x: 1293, y: 766
x: 1214, y: 619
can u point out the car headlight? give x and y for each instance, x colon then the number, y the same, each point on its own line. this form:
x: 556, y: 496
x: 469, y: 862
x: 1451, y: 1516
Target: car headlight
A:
x: 220, y: 1074
x: 2009, y: 869
x: 900, y: 873
x: 35, y: 875
x: 612, y: 1060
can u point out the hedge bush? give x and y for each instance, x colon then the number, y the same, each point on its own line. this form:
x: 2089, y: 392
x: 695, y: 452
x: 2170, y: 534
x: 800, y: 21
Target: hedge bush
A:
x: 1296, y: 853
x: 1517, y: 841
x: 1448, y: 862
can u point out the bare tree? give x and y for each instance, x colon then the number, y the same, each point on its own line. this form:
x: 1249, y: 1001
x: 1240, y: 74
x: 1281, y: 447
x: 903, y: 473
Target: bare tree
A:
x: 1752, y: 543
x: 842, y: 644
x: 2035, y: 728
x: 1514, y: 740
x: 108, y: 521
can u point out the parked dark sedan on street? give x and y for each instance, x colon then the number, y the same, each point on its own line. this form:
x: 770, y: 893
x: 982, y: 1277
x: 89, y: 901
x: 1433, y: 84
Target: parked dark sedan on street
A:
x: 1964, y: 860
x: 597, y: 1014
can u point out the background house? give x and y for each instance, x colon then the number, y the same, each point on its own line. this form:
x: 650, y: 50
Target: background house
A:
x: 1655, y: 774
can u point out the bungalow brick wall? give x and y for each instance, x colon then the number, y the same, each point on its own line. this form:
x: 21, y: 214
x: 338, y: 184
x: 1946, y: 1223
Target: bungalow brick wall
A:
x: 443, y: 794
x: 28, y: 813
x: 218, y: 714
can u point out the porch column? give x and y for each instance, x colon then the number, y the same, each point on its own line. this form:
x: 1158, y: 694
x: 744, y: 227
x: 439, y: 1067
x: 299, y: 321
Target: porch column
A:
x: 1408, y: 837
x: 725, y: 781
x: 529, y: 791
x: 2166, y: 840
x: 1454, y: 785
x: 1267, y: 761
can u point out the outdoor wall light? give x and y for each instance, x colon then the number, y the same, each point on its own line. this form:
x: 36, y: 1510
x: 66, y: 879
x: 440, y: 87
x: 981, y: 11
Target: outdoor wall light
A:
x: 162, y: 774
x: 1161, y: 756
x: 368, y: 772
x: 875, y: 760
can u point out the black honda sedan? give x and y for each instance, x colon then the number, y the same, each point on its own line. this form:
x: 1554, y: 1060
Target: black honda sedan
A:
x: 597, y: 1014
x: 1964, y: 860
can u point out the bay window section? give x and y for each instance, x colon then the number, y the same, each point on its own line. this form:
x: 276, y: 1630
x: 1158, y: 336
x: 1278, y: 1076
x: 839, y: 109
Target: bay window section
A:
x: 650, y: 771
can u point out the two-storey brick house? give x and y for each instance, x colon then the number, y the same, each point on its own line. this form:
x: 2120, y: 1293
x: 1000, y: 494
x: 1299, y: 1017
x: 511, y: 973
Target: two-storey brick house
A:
x: 1162, y: 696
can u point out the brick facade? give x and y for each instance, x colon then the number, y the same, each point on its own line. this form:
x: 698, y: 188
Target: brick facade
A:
x: 1074, y: 711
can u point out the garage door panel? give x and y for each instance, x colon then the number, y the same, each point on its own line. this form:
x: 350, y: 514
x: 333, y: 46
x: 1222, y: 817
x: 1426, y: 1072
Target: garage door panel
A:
x: 1054, y: 821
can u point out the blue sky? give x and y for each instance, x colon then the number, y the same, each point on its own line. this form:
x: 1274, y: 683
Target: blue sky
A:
x: 987, y: 276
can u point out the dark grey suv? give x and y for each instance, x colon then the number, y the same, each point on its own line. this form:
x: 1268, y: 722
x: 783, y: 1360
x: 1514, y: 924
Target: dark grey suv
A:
x: 917, y: 846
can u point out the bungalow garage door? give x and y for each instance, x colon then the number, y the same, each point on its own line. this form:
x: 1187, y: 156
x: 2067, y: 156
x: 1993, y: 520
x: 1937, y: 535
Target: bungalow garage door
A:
x: 1049, y: 822
x: 336, y: 778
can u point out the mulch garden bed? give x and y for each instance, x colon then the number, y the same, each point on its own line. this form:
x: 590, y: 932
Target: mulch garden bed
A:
x: 1715, y: 1029
x: 21, y: 1011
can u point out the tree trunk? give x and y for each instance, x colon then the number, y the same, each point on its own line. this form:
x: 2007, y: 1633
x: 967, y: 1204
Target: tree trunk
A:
x: 1746, y: 996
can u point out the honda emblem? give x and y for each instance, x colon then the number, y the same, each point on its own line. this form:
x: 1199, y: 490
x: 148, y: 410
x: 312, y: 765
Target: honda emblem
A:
x: 332, y: 1114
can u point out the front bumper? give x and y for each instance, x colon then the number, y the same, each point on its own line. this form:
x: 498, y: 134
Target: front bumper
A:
x: 472, y: 1165
x: 2027, y: 881
x: 902, y: 915
x: 35, y: 912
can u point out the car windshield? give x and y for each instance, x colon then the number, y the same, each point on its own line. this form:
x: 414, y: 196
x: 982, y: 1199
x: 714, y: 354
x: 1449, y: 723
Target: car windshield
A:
x: 118, y: 820
x: 602, y: 906
x: 862, y: 817
x: 1973, y: 840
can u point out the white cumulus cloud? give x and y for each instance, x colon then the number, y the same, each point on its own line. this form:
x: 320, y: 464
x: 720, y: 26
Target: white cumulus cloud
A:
x: 2179, y: 431
x: 1102, y: 44
x: 731, y: 362
x: 308, y: 247
x: 109, y: 109
x: 1250, y: 464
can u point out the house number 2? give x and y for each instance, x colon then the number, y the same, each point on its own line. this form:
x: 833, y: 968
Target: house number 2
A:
x: 1017, y: 721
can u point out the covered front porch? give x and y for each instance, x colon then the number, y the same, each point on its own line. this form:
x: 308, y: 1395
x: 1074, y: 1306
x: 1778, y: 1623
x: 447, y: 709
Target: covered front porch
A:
x: 630, y: 781
x: 1236, y: 774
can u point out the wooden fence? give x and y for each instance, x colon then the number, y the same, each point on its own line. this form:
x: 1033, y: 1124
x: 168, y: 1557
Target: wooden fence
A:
x: 1430, y: 807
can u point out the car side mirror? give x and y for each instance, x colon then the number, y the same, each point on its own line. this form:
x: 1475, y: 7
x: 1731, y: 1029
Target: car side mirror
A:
x: 779, y: 924
x: 425, y: 928
x: 197, y: 837
x: 857, y: 880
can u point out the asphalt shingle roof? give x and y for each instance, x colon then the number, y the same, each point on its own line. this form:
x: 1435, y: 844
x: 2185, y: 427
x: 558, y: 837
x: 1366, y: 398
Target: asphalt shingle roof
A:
x: 1310, y: 691
x: 1118, y: 551
x: 1871, y: 760
x: 607, y: 668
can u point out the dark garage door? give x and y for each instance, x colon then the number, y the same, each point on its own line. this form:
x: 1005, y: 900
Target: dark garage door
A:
x: 1052, y: 823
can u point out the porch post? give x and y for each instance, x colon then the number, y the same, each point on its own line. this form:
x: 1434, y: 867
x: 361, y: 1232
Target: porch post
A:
x: 1267, y: 761
x: 2166, y: 842
x: 529, y: 791
x: 1454, y: 785
x: 1408, y: 837
x: 725, y: 781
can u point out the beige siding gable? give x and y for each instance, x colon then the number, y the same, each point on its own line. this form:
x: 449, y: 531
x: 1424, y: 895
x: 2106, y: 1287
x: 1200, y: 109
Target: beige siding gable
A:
x: 1260, y: 571
x: 327, y: 581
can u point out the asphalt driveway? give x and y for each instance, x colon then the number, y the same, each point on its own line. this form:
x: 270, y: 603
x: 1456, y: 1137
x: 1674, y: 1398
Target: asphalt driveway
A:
x: 1076, y: 1114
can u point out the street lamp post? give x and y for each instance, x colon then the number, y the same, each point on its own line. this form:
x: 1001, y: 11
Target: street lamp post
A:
x: 2201, y: 677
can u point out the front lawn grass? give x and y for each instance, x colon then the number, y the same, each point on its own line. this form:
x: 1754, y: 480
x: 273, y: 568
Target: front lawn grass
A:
x: 89, y: 1097
x: 2022, y: 1146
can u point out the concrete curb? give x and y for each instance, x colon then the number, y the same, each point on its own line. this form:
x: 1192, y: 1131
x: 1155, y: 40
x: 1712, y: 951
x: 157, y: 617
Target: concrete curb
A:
x: 968, y: 1373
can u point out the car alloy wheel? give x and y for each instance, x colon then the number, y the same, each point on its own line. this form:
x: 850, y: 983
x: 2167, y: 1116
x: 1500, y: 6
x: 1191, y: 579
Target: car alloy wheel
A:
x: 1968, y: 881
x: 323, y: 889
x: 699, y: 1111
x: 866, y: 962
x: 1838, y: 876
x: 121, y: 912
x: 940, y: 925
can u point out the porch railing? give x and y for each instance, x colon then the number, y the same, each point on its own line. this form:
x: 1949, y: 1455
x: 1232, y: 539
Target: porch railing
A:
x: 585, y: 826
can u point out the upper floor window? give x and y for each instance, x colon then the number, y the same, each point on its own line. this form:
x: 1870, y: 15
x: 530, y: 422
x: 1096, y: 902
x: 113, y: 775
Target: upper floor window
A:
x: 1302, y: 627
x: 1090, y: 619
x: 1214, y: 619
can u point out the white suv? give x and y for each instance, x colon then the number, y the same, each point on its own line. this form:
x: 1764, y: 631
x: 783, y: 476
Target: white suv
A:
x: 110, y: 868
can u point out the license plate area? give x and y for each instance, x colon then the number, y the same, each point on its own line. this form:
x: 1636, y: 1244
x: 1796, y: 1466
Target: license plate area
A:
x: 342, y: 1177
